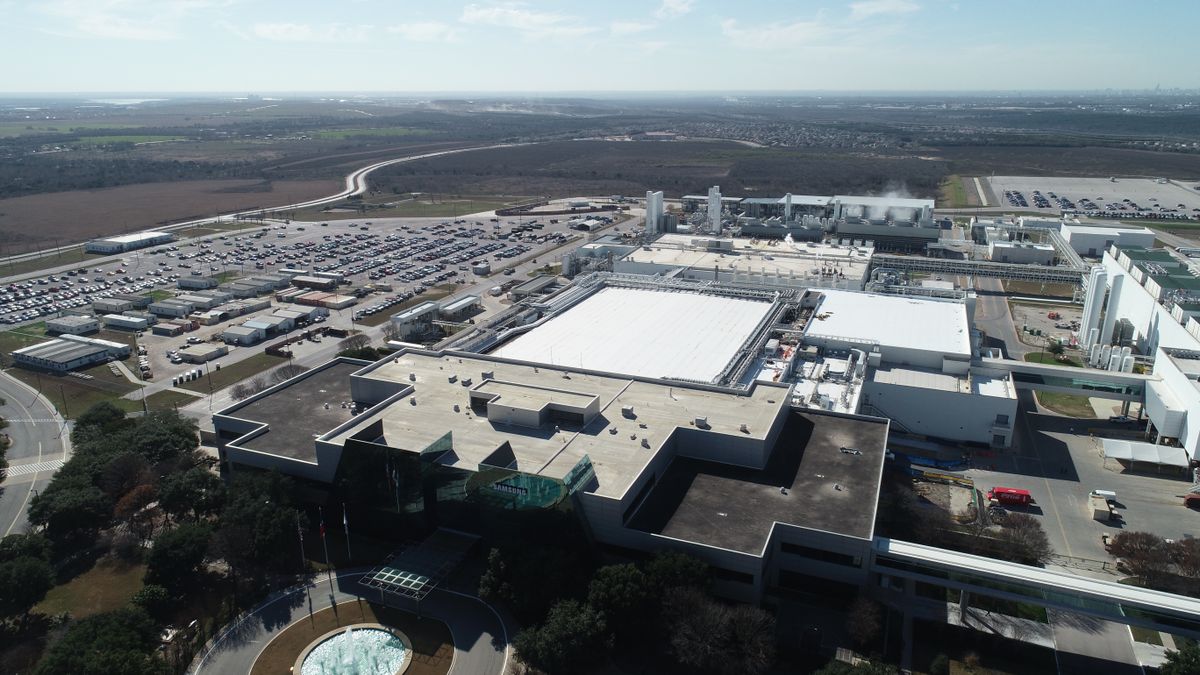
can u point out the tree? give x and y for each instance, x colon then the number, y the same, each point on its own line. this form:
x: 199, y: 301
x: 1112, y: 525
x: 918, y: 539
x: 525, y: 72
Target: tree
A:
x: 257, y: 527
x: 671, y: 569
x: 129, y: 509
x: 750, y: 640
x: 1183, y: 661
x: 530, y: 578
x: 864, y: 620
x: 573, y: 633
x: 100, y: 419
x: 164, y: 435
x: 155, y: 599
x: 391, y: 331
x: 23, y: 583
x: 125, y: 472
x: 1145, y: 555
x: 69, y: 508
x: 24, y: 546
x: 622, y: 594
x: 177, y: 555
x: 194, y: 493
x: 113, y: 643
x: 1025, y: 539
x: 1185, y: 553
x: 1055, y: 347
x: 285, y: 373
x: 695, y: 626
x: 836, y: 667
x: 355, y: 342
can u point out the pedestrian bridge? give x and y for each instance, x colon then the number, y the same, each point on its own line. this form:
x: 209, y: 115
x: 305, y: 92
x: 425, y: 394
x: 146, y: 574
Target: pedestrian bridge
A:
x: 1108, y: 600
x: 1072, y: 380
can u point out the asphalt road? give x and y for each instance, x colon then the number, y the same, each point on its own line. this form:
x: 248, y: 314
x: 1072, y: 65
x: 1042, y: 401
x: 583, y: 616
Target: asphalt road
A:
x: 480, y: 637
x: 36, y: 453
x: 1087, y: 646
x: 993, y: 318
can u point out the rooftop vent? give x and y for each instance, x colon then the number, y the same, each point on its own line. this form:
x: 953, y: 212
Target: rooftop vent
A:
x: 452, y: 379
x: 701, y: 423
x: 627, y: 411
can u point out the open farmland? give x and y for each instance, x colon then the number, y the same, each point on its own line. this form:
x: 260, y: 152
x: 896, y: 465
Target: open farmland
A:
x: 36, y: 221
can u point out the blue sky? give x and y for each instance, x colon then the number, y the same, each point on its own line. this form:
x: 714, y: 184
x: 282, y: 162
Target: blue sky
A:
x: 261, y: 46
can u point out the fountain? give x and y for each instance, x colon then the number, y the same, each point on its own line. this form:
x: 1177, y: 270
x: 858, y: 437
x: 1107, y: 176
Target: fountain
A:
x: 361, y: 649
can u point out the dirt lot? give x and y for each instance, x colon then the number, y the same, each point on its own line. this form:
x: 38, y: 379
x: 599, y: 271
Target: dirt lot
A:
x: 28, y: 223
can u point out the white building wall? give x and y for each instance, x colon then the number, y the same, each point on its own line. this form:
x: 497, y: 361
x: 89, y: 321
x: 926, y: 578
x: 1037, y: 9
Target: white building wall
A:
x: 1153, y: 324
x: 945, y: 414
x: 1184, y: 391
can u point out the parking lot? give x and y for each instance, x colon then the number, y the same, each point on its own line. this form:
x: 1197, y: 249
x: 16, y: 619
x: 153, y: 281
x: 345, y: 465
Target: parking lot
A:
x: 1060, y: 462
x: 387, y: 262
x: 1129, y: 198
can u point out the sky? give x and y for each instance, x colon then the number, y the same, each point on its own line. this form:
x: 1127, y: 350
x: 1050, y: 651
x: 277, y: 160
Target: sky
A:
x: 265, y: 46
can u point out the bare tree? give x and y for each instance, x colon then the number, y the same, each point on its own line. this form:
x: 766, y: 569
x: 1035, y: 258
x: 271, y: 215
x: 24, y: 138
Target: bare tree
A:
x: 1145, y: 555
x: 1185, y: 553
x: 285, y: 373
x: 358, y: 341
x: 391, y: 331
x: 241, y: 391
x: 864, y: 620
x: 1026, y: 539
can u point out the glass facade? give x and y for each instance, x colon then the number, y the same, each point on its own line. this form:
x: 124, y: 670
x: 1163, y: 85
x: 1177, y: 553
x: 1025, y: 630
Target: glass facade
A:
x: 417, y: 488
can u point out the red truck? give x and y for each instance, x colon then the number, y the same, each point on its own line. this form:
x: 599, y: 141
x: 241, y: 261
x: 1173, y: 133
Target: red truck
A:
x: 1007, y: 495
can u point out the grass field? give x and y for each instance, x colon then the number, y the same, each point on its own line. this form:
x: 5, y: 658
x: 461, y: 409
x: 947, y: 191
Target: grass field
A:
x: 12, y: 340
x: 167, y: 400
x: 234, y: 373
x: 1051, y: 359
x: 36, y: 220
x: 64, y: 128
x: 343, y: 134
x: 1063, y: 404
x: 411, y: 208
x: 433, y: 649
x: 68, y: 255
x: 71, y: 395
x: 552, y: 270
x: 953, y: 194
x: 109, y: 140
x: 107, y: 586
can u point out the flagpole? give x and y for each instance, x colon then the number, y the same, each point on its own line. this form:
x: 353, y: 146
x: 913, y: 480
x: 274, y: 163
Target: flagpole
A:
x: 346, y: 529
x: 303, y: 562
x: 325, y: 545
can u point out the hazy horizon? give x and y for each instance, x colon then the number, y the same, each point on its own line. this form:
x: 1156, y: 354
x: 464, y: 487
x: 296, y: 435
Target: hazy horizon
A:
x: 374, y: 47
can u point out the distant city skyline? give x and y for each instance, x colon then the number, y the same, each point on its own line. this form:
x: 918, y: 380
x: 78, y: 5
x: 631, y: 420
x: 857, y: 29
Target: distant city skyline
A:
x: 646, y: 46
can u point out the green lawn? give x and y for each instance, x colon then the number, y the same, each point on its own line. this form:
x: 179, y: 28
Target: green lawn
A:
x: 553, y: 270
x: 1066, y: 404
x: 952, y: 193
x: 67, y: 255
x: 159, y: 294
x: 24, y: 336
x: 107, y: 586
x: 72, y: 395
x: 167, y: 400
x: 109, y: 140
x: 234, y: 373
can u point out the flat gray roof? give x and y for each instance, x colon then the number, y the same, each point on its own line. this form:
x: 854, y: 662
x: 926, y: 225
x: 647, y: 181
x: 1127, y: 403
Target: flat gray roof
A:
x: 295, y: 414
x: 825, y: 488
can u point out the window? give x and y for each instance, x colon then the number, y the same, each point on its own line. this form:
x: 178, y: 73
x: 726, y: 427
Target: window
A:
x: 821, y: 555
x: 998, y: 439
x: 723, y: 574
x: 1001, y: 420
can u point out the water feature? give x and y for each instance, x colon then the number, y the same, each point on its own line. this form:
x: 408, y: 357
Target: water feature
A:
x: 356, y: 651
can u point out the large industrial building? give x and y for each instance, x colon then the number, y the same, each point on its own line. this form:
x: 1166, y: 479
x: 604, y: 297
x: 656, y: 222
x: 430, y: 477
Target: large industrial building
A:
x: 69, y: 352
x: 128, y: 242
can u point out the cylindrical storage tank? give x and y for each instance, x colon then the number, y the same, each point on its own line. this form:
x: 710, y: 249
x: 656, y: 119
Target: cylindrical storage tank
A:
x: 1094, y: 354
x: 1114, y: 362
x: 1094, y: 337
x: 1126, y: 351
x: 1127, y: 364
x: 1105, y: 353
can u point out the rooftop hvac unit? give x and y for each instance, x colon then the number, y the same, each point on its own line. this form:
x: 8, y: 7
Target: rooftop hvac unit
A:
x: 701, y: 422
x: 487, y: 375
x: 452, y: 379
x: 627, y: 411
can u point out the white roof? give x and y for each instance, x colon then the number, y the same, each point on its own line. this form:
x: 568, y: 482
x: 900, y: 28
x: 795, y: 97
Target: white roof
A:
x: 644, y: 332
x: 1076, y: 228
x: 892, y: 321
x: 133, y: 238
x: 1137, y: 451
x: 897, y: 202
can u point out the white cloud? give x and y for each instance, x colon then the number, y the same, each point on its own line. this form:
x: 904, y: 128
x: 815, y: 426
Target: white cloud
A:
x: 530, y: 23
x: 775, y: 35
x: 670, y: 9
x: 125, y: 19
x: 868, y: 8
x: 629, y: 27
x: 302, y: 32
x: 425, y: 31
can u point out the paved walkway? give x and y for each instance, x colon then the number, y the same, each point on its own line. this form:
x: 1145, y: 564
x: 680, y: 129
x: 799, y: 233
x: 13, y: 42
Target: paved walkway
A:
x: 481, y: 639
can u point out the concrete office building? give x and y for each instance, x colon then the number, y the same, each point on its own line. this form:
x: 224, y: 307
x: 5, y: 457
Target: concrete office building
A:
x: 714, y: 210
x: 1021, y: 252
x: 128, y: 242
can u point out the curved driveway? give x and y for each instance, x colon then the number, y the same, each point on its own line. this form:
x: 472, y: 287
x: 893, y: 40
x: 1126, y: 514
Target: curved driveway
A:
x: 480, y: 636
x: 40, y: 444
